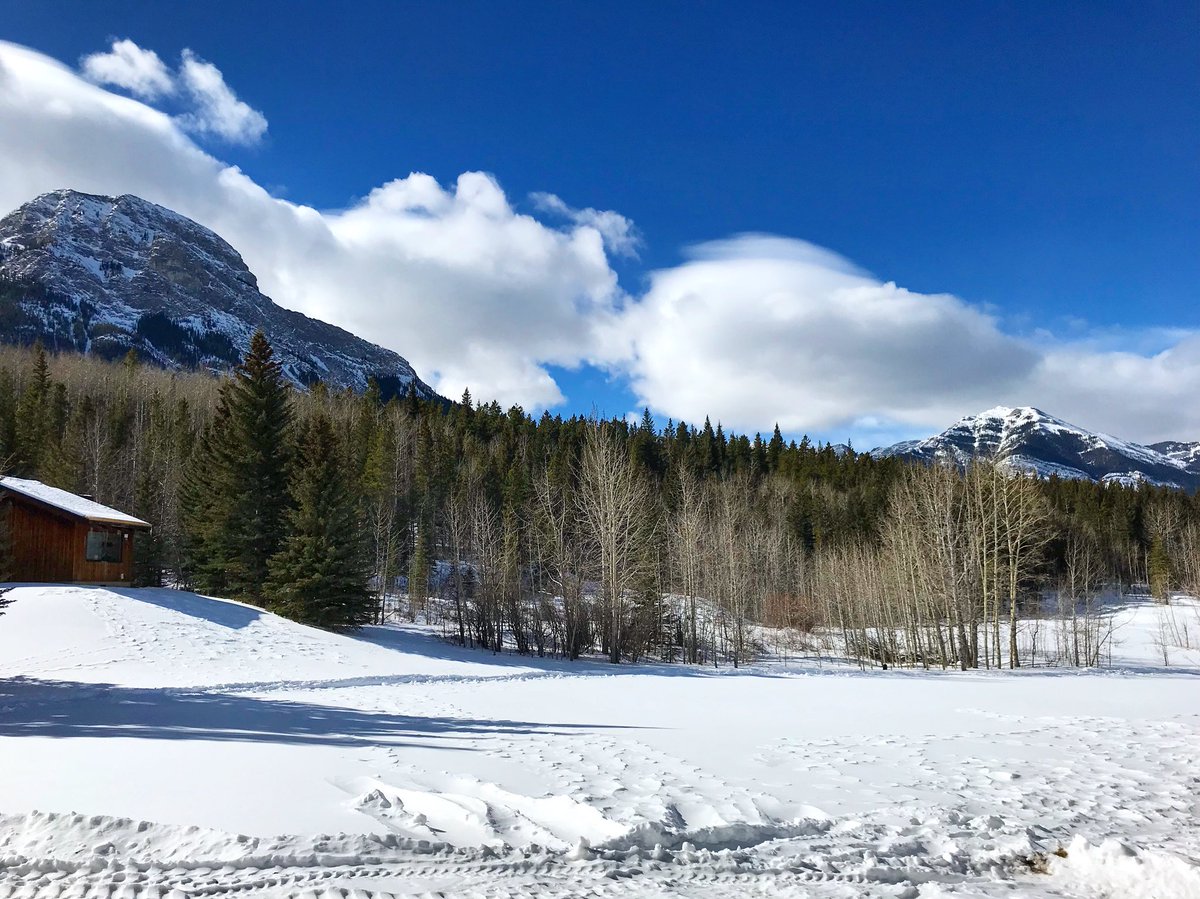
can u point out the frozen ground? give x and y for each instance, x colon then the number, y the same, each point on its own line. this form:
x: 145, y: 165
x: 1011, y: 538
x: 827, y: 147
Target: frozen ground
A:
x: 154, y: 741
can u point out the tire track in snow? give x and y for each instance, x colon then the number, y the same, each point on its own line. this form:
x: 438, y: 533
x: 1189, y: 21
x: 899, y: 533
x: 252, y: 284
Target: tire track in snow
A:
x: 835, y: 858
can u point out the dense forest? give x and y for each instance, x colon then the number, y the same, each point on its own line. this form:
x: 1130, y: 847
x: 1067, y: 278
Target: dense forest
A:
x: 580, y: 536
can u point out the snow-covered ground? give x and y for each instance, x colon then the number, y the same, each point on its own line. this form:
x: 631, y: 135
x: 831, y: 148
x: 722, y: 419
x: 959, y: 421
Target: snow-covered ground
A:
x: 153, y: 741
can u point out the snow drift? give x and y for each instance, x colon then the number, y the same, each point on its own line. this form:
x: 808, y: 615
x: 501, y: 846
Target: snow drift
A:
x: 153, y: 740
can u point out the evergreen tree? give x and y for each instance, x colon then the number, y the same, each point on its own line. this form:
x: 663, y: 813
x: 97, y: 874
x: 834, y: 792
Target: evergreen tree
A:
x: 33, y: 415
x: 644, y: 446
x: 775, y: 450
x: 1159, y: 570
x: 238, y: 492
x: 8, y: 417
x: 319, y: 577
x: 418, y: 567
x: 62, y: 463
x: 204, y: 497
x: 411, y: 401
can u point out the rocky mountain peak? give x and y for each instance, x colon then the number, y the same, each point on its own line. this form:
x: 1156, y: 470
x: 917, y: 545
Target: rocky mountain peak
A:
x: 1027, y: 439
x: 107, y: 274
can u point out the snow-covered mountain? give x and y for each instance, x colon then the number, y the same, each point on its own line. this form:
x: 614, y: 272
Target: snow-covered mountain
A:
x: 1027, y: 439
x: 105, y: 275
x: 1187, y: 453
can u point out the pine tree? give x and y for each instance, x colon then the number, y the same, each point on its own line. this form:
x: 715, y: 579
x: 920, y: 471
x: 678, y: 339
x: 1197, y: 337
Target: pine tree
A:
x: 237, y: 494
x: 1159, y: 570
x: 62, y: 462
x: 775, y: 450
x: 204, y: 498
x: 644, y: 446
x: 319, y: 577
x: 418, y: 569
x: 8, y: 417
x: 33, y: 413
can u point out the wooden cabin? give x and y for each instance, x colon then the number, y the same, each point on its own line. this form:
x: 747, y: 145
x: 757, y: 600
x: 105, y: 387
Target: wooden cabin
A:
x: 59, y: 537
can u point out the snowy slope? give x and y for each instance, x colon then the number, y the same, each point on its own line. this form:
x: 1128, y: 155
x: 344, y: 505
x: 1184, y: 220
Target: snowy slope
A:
x: 106, y: 274
x: 171, y: 741
x: 1027, y: 439
x: 1181, y: 451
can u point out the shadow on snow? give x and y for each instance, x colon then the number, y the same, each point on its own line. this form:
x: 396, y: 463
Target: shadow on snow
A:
x: 67, y: 709
x: 223, y: 612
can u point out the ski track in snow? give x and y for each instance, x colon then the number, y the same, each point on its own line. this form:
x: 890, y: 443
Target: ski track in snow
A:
x: 438, y: 771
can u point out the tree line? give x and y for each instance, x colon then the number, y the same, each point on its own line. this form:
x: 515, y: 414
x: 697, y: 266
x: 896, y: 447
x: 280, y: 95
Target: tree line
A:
x: 579, y: 536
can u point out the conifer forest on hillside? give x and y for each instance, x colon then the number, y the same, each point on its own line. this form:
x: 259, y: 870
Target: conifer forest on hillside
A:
x: 583, y: 536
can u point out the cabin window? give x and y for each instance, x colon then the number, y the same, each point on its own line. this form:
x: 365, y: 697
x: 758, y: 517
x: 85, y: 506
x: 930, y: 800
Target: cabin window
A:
x: 103, y: 546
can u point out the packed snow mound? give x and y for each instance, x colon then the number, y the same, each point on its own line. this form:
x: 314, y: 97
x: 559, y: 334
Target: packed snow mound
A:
x: 1027, y: 440
x: 1116, y: 869
x: 170, y: 638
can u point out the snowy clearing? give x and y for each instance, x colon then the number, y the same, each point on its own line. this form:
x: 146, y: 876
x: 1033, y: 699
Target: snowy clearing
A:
x: 153, y: 741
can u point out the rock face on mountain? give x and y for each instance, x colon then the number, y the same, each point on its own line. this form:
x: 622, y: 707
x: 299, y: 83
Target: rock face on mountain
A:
x: 104, y: 275
x: 1027, y: 439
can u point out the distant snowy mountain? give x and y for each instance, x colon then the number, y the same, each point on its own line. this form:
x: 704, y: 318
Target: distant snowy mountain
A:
x: 1027, y: 439
x: 104, y: 275
x: 1187, y: 453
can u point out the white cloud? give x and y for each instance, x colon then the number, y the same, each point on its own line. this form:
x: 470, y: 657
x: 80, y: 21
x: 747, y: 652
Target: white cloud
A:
x: 128, y: 66
x: 211, y: 106
x: 757, y: 330
x: 620, y: 235
x: 217, y: 109
x: 451, y: 277
x: 751, y: 330
x: 1141, y: 397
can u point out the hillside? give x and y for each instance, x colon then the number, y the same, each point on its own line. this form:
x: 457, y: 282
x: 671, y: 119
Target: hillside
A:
x: 104, y: 275
x: 171, y: 741
x: 1027, y: 439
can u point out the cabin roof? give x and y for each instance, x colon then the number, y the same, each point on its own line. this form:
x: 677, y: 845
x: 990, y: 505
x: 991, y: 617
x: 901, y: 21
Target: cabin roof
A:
x: 64, y: 501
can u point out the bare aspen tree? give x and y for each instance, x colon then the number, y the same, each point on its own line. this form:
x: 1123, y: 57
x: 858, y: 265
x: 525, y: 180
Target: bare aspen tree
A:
x: 1025, y: 520
x: 926, y: 543
x: 611, y: 507
x: 687, y: 527
x: 1083, y: 628
x: 383, y: 481
x: 561, y: 556
x: 1189, y: 558
x: 1163, y: 521
x: 983, y: 481
x: 459, y: 508
x: 731, y: 587
x: 487, y: 544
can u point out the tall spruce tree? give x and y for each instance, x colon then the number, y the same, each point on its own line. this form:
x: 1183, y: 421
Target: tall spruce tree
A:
x: 319, y: 577
x: 237, y: 491
x: 33, y: 412
x: 1158, y: 569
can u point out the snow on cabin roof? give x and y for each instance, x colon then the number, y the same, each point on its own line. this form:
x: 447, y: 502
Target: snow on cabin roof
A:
x: 79, y: 506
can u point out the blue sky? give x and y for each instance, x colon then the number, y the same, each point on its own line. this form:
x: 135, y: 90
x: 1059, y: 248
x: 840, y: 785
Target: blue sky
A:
x: 1036, y: 161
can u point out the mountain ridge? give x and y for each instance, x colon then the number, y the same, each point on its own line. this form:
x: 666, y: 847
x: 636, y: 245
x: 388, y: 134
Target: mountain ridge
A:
x: 103, y: 275
x: 1026, y: 439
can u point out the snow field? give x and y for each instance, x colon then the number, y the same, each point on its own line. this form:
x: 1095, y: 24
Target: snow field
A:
x: 171, y: 742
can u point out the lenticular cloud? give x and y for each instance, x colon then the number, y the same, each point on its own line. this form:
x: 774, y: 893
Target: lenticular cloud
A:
x: 750, y: 331
x: 471, y: 291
